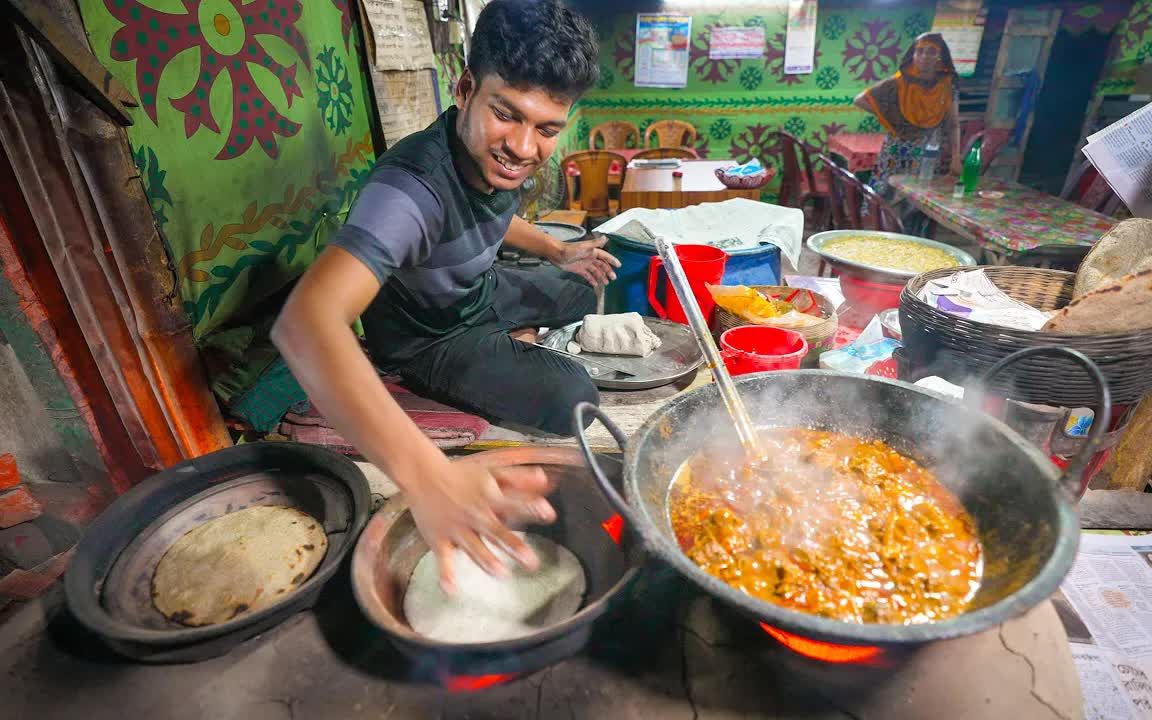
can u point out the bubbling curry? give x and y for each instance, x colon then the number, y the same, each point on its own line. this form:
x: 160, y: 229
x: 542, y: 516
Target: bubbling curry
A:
x: 829, y: 524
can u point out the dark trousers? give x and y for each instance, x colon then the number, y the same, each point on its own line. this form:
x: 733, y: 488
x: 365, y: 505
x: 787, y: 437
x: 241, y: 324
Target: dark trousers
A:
x: 484, y: 371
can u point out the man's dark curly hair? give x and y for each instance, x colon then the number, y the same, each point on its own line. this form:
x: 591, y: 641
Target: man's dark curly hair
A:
x: 535, y: 43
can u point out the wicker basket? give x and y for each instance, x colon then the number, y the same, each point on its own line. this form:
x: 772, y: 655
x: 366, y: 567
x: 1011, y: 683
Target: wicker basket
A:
x: 819, y: 336
x: 957, y: 349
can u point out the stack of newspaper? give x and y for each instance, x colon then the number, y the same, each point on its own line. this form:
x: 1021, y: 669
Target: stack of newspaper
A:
x: 1122, y: 152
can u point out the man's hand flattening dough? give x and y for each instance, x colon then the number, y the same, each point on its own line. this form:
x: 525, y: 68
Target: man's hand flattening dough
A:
x: 587, y: 259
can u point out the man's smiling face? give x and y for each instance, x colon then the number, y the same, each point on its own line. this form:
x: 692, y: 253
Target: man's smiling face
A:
x: 508, y: 132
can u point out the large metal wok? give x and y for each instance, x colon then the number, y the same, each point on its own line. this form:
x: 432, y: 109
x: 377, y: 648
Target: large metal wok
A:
x: 1026, y: 521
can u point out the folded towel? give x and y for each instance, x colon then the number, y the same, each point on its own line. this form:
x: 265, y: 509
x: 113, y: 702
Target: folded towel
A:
x: 622, y: 334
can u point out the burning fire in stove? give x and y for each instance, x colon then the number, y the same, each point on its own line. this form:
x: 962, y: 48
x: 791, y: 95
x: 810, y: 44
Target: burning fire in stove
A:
x: 475, y: 683
x: 825, y: 651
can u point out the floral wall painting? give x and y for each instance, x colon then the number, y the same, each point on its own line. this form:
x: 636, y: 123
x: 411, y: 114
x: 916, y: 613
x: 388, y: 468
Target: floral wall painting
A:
x: 266, y: 98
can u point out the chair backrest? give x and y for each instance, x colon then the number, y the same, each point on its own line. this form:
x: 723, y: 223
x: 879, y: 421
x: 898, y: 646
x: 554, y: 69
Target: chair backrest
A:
x: 994, y: 140
x: 664, y: 153
x: 593, y: 166
x: 1053, y: 257
x: 671, y: 133
x: 614, y: 134
x: 796, y: 164
x: 1086, y: 187
x: 880, y: 216
x: 847, y: 197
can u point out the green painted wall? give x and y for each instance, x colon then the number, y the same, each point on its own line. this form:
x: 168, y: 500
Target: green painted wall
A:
x: 1132, y: 47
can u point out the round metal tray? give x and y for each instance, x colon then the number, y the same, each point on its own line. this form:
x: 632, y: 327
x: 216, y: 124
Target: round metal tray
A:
x: 817, y: 242
x: 678, y: 355
x: 563, y: 232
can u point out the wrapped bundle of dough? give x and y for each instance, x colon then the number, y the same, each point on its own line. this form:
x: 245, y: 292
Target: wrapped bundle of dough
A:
x: 622, y: 334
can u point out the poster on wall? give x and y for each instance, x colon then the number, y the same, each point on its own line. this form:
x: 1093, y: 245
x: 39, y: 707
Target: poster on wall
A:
x: 962, y: 25
x: 735, y: 43
x: 800, y: 44
x: 400, y: 34
x: 662, y: 45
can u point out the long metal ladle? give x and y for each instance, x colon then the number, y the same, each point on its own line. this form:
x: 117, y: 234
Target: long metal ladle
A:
x: 699, y: 325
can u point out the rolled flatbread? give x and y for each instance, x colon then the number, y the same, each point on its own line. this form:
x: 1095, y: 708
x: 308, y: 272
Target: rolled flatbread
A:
x: 489, y: 609
x: 1121, y: 306
x: 237, y: 563
x: 1125, y: 249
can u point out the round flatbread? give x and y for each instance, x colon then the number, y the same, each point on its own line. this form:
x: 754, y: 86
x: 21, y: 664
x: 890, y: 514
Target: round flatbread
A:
x: 1125, y: 249
x: 1122, y: 306
x: 489, y: 609
x: 237, y: 563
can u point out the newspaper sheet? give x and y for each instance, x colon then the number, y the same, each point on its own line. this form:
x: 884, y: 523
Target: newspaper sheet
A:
x: 1105, y: 604
x: 1122, y: 152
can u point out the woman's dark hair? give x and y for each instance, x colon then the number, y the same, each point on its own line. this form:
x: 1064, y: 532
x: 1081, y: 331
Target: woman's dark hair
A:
x: 535, y: 43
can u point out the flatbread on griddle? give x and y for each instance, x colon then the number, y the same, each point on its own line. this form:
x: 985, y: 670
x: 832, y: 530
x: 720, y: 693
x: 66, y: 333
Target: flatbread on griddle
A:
x: 1122, y: 306
x: 490, y: 609
x: 237, y: 563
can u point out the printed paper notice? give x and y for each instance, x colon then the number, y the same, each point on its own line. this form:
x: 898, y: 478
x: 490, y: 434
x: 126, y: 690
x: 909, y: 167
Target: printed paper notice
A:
x: 800, y: 43
x: 400, y: 34
x: 662, y: 45
x: 1122, y: 153
x: 734, y: 43
x: 961, y: 24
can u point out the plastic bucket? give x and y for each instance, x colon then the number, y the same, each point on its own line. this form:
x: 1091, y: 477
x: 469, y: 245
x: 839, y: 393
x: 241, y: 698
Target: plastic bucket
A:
x: 867, y: 296
x: 703, y: 265
x: 758, y: 348
x: 629, y: 291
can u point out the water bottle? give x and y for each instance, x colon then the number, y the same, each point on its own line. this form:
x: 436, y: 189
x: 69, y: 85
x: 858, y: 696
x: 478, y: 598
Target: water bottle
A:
x: 931, y: 157
x: 971, y: 172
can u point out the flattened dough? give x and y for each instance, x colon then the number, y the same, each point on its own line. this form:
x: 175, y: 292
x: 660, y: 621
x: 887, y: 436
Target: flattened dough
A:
x: 488, y: 609
x: 237, y: 563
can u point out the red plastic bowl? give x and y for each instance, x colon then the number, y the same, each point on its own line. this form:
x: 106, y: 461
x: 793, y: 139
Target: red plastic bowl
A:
x: 868, y: 296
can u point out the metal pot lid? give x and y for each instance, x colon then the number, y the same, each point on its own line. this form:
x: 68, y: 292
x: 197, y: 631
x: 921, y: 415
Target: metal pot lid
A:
x: 563, y: 232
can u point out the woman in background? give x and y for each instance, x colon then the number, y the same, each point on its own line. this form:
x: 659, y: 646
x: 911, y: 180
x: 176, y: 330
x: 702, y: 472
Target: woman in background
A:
x: 916, y: 105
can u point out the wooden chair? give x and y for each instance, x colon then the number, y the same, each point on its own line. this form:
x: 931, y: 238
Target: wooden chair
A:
x: 994, y: 141
x: 880, y: 216
x: 847, y: 194
x: 671, y: 133
x: 614, y: 134
x: 664, y: 153
x: 1087, y: 188
x: 592, y: 196
x: 801, y: 182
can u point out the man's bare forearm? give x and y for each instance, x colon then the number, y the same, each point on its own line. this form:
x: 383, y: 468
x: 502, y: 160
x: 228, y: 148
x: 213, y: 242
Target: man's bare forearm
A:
x: 525, y: 236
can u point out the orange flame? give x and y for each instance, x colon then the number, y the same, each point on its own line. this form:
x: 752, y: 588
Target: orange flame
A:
x: 472, y: 683
x: 823, y: 651
x: 614, y: 526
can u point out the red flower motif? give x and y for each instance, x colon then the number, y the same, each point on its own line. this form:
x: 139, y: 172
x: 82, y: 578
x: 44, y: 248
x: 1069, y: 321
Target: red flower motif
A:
x: 227, y: 44
x: 701, y: 146
x: 345, y: 19
x: 707, y: 69
x: 755, y: 142
x: 624, y: 54
x: 820, y: 137
x: 873, y: 51
x: 774, y: 60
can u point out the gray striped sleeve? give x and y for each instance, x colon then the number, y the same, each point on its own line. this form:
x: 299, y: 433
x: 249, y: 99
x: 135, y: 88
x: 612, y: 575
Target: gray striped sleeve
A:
x: 395, y: 222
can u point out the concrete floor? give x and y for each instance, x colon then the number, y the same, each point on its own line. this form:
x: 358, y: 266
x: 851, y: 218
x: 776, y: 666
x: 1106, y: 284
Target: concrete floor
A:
x: 668, y: 654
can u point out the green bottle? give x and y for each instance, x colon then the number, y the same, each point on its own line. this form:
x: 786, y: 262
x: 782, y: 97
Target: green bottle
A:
x: 971, y: 174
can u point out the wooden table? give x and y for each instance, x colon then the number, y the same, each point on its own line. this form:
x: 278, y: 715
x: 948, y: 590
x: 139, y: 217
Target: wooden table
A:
x: 860, y: 150
x: 1020, y: 220
x: 568, y: 217
x: 657, y: 188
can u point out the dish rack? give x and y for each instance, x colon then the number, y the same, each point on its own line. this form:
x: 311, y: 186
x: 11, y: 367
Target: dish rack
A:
x: 957, y: 349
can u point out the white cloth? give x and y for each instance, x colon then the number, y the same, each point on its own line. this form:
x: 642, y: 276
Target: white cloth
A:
x: 622, y: 334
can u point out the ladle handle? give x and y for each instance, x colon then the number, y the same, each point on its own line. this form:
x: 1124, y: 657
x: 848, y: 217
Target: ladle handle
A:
x: 615, y: 499
x: 1070, y: 479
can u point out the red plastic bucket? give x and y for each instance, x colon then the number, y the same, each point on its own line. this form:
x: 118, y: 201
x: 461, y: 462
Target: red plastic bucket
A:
x: 703, y: 265
x: 867, y: 296
x: 759, y: 348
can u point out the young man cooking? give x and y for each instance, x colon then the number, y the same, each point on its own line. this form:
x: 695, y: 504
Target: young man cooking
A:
x: 415, y: 262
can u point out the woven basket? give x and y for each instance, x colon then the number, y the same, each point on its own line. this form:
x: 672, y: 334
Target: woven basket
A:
x: 819, y: 336
x: 958, y: 349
